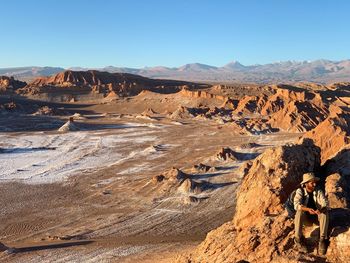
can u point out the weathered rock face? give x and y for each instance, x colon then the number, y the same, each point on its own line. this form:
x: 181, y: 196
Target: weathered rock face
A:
x: 9, y: 84
x: 339, y: 248
x: 337, y: 182
x: 332, y: 134
x: 298, y: 116
x: 260, y: 232
x: 201, y: 94
x: 285, y: 108
x: 334, y: 188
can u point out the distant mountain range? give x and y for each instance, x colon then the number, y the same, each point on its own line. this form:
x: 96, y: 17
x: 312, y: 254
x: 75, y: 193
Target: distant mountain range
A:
x: 323, y: 71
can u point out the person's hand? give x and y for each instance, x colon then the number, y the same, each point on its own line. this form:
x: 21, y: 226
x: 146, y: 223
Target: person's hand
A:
x: 313, y: 212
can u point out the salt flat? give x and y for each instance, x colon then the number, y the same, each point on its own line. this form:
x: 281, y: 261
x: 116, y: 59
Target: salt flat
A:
x: 44, y: 157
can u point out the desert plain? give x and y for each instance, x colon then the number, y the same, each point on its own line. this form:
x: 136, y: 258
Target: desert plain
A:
x: 103, y: 167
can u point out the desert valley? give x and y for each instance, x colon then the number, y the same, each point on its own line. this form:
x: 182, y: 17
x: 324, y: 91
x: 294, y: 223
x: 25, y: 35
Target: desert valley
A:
x: 116, y: 167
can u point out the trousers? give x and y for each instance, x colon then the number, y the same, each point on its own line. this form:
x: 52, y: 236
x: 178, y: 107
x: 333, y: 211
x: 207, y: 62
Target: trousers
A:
x: 301, y: 217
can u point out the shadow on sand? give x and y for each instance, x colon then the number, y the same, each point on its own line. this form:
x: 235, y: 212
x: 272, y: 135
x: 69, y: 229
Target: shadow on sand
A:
x: 51, y: 246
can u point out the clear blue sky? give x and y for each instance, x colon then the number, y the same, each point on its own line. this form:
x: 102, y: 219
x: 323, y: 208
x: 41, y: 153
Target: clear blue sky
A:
x: 138, y: 33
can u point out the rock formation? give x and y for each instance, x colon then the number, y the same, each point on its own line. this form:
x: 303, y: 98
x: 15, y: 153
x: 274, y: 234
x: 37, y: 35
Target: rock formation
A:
x: 96, y: 82
x: 202, y: 167
x: 332, y: 134
x: 173, y: 175
x: 226, y: 154
x: 298, y: 116
x: 68, y: 126
x: 9, y: 84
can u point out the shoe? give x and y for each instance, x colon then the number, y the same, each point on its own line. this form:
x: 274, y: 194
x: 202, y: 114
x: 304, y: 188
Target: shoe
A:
x: 300, y: 244
x: 322, y: 247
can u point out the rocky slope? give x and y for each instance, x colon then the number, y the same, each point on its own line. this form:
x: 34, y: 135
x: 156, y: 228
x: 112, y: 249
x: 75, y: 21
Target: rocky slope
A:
x: 278, y: 107
x: 333, y: 134
x: 259, y: 231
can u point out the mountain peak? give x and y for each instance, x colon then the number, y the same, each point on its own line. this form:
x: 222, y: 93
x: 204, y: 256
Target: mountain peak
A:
x: 234, y: 65
x: 196, y: 67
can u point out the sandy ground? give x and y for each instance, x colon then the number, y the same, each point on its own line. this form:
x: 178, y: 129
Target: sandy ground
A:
x: 88, y: 195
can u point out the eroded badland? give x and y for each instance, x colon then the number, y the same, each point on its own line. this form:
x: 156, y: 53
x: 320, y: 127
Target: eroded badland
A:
x: 102, y: 167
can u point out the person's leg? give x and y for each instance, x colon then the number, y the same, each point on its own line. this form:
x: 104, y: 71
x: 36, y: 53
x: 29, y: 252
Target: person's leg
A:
x: 323, y: 218
x: 298, y: 224
x: 298, y: 236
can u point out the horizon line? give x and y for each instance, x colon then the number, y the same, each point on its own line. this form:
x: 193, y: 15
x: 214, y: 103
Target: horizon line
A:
x: 170, y: 67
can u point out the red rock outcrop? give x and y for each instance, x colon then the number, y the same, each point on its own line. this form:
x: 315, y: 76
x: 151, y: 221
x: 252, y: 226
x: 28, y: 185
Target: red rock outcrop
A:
x: 298, y: 116
x: 332, y: 134
x: 201, y: 94
x: 248, y: 104
x: 338, y: 190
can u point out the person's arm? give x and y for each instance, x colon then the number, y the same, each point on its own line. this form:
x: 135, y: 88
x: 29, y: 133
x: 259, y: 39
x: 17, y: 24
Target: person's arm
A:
x: 322, y: 201
x: 308, y: 209
x: 298, y: 202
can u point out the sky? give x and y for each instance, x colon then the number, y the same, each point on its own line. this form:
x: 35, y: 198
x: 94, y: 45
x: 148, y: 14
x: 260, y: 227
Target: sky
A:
x: 148, y: 33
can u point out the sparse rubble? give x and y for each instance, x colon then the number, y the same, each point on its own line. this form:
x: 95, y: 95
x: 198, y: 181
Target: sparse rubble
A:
x: 45, y: 110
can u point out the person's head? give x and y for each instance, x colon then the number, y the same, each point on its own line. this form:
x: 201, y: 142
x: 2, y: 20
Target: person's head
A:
x: 309, y: 181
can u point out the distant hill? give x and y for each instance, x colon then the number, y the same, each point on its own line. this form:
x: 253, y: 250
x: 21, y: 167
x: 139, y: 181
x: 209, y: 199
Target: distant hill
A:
x: 29, y: 73
x: 322, y: 71
x: 72, y: 85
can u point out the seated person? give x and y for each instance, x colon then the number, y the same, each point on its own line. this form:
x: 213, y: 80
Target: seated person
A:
x: 311, y: 204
